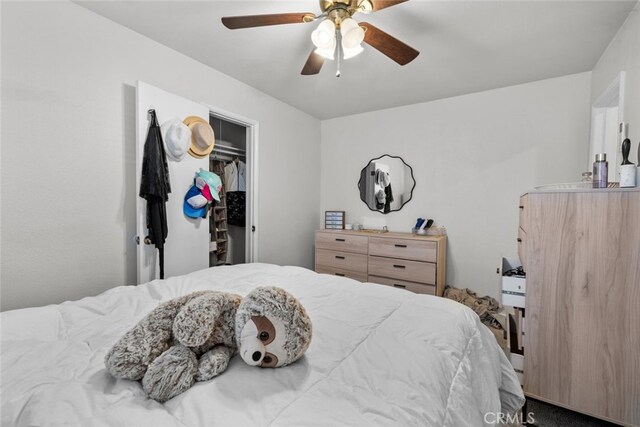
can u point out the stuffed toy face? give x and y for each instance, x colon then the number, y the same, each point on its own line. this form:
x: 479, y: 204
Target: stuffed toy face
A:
x: 262, y: 342
x: 272, y: 328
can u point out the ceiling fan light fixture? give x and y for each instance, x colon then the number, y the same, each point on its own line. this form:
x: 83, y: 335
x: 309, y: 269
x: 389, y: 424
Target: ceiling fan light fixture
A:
x: 365, y: 6
x: 326, y: 53
x: 351, y: 52
x: 352, y: 33
x: 324, y: 37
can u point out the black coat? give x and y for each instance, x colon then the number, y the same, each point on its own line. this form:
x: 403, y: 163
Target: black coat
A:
x: 155, y: 187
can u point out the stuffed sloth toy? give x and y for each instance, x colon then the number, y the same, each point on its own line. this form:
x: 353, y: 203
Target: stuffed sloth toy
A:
x: 192, y: 337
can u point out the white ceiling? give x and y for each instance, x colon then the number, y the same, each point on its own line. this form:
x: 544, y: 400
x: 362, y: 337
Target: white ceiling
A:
x: 465, y: 47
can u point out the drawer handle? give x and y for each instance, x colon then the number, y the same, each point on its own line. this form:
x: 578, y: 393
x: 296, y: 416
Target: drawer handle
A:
x: 340, y: 240
x: 521, y: 207
x: 519, y: 240
x: 340, y: 274
x: 395, y: 285
x: 401, y: 246
x: 399, y: 266
x: 339, y: 257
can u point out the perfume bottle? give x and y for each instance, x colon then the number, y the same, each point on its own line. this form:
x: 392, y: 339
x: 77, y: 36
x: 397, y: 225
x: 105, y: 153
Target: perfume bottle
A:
x: 601, y: 171
x: 627, y: 169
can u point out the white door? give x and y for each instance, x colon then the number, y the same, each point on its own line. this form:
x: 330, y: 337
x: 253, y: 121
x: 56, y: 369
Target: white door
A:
x: 187, y: 245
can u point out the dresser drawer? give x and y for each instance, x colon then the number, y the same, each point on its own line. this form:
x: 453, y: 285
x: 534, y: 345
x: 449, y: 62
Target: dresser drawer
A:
x: 418, y: 288
x: 412, y: 271
x: 342, y: 242
x: 361, y: 277
x: 343, y: 260
x: 404, y: 248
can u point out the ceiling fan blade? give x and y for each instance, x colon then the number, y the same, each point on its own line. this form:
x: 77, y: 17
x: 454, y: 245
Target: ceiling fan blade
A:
x: 249, y: 21
x: 382, y: 4
x: 388, y: 45
x: 313, y: 64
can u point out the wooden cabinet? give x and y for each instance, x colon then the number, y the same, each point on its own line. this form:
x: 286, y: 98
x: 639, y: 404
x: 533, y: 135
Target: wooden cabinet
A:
x: 402, y: 260
x: 581, y: 252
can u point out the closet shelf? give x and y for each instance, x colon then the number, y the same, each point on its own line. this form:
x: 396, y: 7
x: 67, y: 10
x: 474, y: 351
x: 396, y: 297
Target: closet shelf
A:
x: 218, y: 221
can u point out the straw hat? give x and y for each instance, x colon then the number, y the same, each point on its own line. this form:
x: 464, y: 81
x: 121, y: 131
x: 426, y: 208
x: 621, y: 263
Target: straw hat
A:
x: 202, y: 136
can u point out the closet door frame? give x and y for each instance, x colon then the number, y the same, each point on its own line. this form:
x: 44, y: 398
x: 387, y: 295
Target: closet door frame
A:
x: 253, y: 133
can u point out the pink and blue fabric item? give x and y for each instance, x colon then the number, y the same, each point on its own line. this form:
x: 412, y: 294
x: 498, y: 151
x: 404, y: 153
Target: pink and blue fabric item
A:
x: 213, y: 181
x: 205, y: 189
x: 192, y: 206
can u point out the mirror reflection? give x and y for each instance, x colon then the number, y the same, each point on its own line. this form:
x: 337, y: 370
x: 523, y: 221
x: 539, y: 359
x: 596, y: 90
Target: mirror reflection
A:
x: 386, y: 184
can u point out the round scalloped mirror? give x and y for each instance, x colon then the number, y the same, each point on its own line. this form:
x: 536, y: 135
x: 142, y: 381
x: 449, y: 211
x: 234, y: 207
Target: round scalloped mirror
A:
x: 386, y: 184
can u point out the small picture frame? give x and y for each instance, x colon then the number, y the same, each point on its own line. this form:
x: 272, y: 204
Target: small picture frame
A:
x: 334, y: 219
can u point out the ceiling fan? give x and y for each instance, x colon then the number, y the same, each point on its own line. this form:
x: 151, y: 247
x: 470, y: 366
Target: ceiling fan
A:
x: 338, y: 35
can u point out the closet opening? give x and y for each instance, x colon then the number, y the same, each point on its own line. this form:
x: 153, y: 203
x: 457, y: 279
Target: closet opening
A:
x: 230, y: 222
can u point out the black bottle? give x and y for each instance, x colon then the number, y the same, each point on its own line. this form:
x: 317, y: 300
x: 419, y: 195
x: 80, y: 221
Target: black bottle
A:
x: 627, y: 169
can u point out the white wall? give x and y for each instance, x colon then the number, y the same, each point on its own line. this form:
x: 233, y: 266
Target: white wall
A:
x: 623, y: 54
x: 472, y: 157
x: 68, y: 140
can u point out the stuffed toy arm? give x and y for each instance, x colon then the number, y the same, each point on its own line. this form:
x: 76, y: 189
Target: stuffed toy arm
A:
x: 170, y: 374
x: 195, y: 322
x: 142, y: 344
x: 213, y: 362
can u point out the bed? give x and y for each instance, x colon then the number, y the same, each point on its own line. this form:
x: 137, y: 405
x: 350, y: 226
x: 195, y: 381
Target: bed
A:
x: 379, y: 356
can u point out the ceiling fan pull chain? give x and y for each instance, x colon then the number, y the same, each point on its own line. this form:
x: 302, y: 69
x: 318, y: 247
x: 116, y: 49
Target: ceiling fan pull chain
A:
x: 338, y: 51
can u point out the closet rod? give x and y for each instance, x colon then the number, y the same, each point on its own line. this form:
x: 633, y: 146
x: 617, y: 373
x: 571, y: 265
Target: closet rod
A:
x: 228, y: 147
x: 231, y: 153
x: 224, y: 156
x: 228, y: 155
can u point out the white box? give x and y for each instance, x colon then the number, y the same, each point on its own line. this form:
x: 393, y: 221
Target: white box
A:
x: 515, y: 329
x: 517, y: 361
x: 515, y: 340
x: 513, y: 287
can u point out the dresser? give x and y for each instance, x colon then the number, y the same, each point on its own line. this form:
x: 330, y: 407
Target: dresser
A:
x: 581, y: 253
x: 403, y: 260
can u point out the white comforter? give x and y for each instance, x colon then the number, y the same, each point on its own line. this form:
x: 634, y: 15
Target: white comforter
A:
x: 379, y: 356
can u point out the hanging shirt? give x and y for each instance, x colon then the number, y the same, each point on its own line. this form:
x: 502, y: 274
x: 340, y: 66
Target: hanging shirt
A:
x: 388, y: 198
x: 384, y: 196
x: 155, y: 187
x: 236, y: 208
x: 235, y: 176
x: 382, y: 178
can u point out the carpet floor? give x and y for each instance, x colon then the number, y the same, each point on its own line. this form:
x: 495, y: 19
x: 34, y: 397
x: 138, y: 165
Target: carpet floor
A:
x: 546, y: 415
